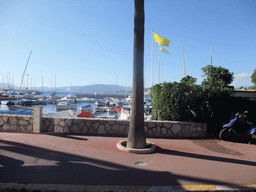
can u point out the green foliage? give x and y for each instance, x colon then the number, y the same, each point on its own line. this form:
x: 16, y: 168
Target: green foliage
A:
x: 252, y: 87
x: 169, y: 99
x: 217, y: 76
x: 188, y: 80
x: 253, y: 77
x: 178, y: 101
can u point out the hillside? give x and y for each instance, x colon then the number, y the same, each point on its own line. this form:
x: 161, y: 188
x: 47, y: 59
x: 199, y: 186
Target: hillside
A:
x: 97, y: 88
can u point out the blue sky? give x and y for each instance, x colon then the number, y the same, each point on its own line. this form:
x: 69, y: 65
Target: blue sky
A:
x: 91, y: 42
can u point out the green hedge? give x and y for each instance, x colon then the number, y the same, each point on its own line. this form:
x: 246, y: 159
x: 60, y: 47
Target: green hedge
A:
x: 178, y: 101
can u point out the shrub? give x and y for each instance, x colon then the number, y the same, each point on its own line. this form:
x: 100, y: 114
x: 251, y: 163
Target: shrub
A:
x: 178, y: 101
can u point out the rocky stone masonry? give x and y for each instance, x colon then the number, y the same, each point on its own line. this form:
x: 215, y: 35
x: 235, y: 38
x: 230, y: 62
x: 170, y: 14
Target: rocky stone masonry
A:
x: 20, y: 123
x: 168, y: 129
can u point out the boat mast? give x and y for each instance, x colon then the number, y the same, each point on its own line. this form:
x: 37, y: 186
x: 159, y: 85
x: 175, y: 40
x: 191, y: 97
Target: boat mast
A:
x: 25, y: 70
x: 42, y: 84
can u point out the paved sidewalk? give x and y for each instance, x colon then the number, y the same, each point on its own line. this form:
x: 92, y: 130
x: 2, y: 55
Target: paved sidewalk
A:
x: 93, y: 163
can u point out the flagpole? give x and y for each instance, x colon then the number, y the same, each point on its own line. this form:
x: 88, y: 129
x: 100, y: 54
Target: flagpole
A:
x: 158, y: 65
x: 184, y: 70
x: 158, y: 112
x: 211, y: 54
x: 152, y: 59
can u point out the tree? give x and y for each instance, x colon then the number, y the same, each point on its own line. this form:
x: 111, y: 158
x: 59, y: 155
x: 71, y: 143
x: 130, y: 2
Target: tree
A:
x: 188, y: 80
x: 217, y: 76
x: 253, y: 77
x: 136, y: 134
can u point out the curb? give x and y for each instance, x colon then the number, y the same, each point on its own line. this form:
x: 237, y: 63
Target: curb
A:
x: 82, y: 188
x: 121, y: 145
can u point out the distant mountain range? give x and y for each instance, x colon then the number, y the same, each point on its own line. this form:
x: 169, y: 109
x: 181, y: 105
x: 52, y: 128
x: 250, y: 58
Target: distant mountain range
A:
x: 96, y: 88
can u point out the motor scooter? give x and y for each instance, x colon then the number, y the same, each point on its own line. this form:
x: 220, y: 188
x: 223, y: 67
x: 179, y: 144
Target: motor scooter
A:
x: 238, y: 128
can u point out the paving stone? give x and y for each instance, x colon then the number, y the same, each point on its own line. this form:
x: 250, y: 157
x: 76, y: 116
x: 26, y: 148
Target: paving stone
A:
x: 101, y: 130
x: 58, y: 129
x: 85, y: 129
x: 199, y: 129
x: 69, y: 122
x: 151, y: 124
x: 176, y: 128
x: 29, y: 128
x: 1, y: 121
x: 164, y: 131
x: 23, y: 123
x: 168, y: 125
x: 75, y: 129
x: 6, y: 127
x: 121, y: 129
x: 88, y: 123
x: 107, y: 127
x: 62, y: 123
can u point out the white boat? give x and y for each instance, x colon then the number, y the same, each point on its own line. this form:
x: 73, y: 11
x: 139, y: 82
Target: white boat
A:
x: 107, y: 116
x: 25, y: 102
x: 125, y: 114
x: 66, y: 113
x: 15, y: 107
x: 86, y: 108
x: 69, y: 98
x: 51, y: 101
x: 7, y: 102
x: 65, y: 106
x: 87, y: 100
x: 102, y: 109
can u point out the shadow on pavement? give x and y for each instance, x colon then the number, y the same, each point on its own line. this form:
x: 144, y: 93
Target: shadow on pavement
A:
x: 68, y: 136
x: 43, y: 166
x: 205, y: 157
x: 27, y: 164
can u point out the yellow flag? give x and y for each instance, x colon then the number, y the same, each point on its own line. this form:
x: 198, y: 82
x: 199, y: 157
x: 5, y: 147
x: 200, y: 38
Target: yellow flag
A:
x: 160, y: 40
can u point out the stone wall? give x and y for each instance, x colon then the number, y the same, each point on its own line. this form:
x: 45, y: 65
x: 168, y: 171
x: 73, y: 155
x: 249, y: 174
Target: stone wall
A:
x: 20, y: 123
x: 154, y: 129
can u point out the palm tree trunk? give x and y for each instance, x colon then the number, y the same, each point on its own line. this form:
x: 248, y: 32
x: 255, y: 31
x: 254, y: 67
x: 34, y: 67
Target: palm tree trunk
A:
x: 136, y: 135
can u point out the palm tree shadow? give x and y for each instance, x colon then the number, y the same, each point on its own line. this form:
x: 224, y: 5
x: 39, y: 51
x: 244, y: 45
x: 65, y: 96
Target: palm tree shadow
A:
x: 205, y: 157
x: 6, y: 161
x: 28, y: 164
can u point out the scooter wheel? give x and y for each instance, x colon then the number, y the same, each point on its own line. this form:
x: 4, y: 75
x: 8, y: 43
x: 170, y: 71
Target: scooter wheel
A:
x: 225, y: 134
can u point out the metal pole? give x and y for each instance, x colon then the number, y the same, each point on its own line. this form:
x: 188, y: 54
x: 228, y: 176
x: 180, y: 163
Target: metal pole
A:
x: 152, y: 59
x: 184, y: 70
x: 158, y: 65
x: 27, y: 81
x: 211, y: 54
x: 55, y: 85
x: 25, y: 70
